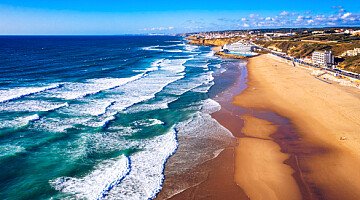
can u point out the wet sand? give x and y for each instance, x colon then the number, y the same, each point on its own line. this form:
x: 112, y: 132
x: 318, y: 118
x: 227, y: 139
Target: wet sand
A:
x: 219, y: 182
x: 324, y: 152
x: 260, y: 168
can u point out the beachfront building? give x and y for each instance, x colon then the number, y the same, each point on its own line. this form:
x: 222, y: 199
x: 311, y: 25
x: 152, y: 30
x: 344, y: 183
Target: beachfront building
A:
x: 318, y: 32
x: 240, y: 48
x: 354, y: 52
x: 323, y: 58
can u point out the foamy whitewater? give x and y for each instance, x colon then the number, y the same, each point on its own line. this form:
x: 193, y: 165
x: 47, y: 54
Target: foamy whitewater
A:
x: 99, y: 117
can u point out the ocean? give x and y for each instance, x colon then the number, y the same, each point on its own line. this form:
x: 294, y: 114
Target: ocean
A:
x: 97, y: 117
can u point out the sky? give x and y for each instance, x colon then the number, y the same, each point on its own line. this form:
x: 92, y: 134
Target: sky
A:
x: 113, y: 17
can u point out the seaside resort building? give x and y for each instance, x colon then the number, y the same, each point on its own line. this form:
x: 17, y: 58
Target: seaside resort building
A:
x: 240, y: 48
x: 323, y: 58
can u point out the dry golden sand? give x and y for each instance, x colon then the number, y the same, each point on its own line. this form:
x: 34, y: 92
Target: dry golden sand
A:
x: 325, y: 115
x: 260, y: 169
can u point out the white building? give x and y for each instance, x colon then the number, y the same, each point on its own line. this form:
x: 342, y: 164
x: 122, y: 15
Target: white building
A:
x: 239, y: 47
x: 318, y: 32
x: 322, y: 58
x: 354, y: 52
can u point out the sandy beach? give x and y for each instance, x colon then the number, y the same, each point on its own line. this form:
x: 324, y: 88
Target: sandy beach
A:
x: 297, y: 138
x: 260, y: 170
x: 326, y: 117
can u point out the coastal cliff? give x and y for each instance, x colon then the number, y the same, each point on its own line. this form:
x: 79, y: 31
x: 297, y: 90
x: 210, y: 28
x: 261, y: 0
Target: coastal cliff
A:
x: 217, y: 43
x: 211, y: 42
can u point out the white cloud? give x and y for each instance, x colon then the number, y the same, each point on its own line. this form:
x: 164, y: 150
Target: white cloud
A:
x: 346, y: 15
x: 320, y: 18
x: 159, y: 28
x: 284, y: 13
x: 269, y: 19
x: 253, y: 15
x: 300, y: 18
x: 310, y: 21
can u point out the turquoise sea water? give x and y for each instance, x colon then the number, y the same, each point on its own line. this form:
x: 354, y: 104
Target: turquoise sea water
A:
x: 96, y: 117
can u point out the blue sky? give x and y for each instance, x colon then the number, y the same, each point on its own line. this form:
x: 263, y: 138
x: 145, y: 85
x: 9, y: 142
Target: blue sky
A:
x: 172, y: 16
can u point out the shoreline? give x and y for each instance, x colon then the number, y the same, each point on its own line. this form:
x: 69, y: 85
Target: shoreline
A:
x: 303, y: 158
x: 232, y: 117
x: 211, y: 179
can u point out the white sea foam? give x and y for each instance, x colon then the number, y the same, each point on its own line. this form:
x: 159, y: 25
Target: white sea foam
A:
x: 16, y: 93
x: 153, y: 48
x: 101, y: 121
x: 124, y: 94
x: 103, y: 142
x: 184, y: 85
x: 216, y: 137
x: 28, y: 119
x: 123, y: 130
x: 157, y: 62
x: 210, y: 54
x: 153, y: 67
x: 203, y: 88
x: 147, y: 87
x: 218, y: 66
x: 10, y: 150
x: 174, y: 51
x: 31, y: 106
x: 191, y: 48
x: 148, y: 122
x: 173, y: 41
x: 160, y: 104
x: 222, y: 70
x: 210, y: 106
x: 138, y: 177
x: 146, y: 176
x: 58, y: 125
x: 91, y: 107
x: 205, y: 66
x: 19, y: 122
x: 181, y: 44
x: 78, y: 90
x: 176, y: 66
x: 96, y: 184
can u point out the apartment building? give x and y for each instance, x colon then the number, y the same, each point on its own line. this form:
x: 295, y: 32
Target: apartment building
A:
x: 323, y: 58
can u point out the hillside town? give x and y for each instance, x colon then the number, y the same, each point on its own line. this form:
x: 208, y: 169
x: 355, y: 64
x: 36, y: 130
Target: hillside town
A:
x: 333, y: 49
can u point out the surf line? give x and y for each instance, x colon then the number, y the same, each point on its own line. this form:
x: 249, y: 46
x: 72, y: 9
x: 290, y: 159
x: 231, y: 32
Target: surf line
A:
x: 109, y: 187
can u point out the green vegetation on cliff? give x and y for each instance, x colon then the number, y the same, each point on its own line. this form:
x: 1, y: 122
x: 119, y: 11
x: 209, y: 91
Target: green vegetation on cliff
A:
x: 301, y: 49
x: 351, y: 64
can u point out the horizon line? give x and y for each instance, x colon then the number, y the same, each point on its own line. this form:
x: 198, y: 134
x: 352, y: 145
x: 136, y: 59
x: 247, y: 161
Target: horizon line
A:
x: 172, y: 34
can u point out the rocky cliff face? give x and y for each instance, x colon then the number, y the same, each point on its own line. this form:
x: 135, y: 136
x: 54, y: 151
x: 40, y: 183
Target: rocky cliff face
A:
x: 212, y: 42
